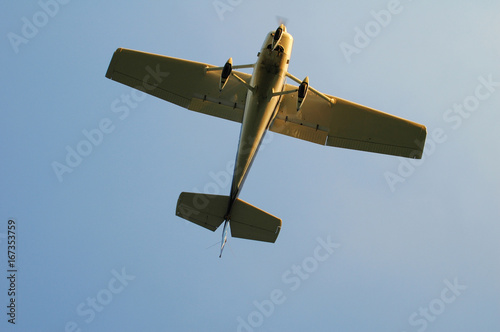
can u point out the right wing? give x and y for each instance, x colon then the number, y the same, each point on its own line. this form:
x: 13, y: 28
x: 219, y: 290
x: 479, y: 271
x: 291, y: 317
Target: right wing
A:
x: 182, y: 82
x: 348, y: 125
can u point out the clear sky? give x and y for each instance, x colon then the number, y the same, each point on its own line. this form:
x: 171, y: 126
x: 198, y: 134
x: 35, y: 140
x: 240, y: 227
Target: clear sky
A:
x: 369, y: 242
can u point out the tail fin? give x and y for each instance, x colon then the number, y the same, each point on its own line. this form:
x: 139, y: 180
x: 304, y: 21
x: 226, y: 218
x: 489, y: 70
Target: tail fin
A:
x: 247, y: 221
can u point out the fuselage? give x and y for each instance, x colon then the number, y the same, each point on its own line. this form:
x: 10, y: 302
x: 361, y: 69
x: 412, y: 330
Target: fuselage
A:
x: 261, y: 106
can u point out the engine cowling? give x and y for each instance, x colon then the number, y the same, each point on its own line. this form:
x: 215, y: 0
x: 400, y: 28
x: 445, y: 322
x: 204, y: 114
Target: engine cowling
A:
x: 226, y: 71
x: 302, y: 92
x: 277, y: 36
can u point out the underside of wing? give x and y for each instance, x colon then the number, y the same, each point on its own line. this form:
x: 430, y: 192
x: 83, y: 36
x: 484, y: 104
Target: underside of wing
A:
x: 348, y: 125
x: 182, y: 82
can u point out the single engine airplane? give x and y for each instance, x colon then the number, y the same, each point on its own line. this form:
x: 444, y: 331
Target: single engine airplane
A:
x: 260, y: 101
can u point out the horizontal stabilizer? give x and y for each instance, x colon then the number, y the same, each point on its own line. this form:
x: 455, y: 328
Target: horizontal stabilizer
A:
x: 202, y: 209
x: 249, y: 222
x: 246, y: 221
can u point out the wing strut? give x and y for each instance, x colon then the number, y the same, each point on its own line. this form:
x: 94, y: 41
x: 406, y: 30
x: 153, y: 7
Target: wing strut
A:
x: 229, y: 67
x: 322, y: 95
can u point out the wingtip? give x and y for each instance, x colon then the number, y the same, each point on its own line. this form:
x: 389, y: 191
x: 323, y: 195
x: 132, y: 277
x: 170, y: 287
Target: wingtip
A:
x: 112, y: 63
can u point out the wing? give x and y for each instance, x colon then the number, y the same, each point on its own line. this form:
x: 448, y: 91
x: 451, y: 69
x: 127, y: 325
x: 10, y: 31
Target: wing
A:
x: 348, y: 125
x: 182, y: 82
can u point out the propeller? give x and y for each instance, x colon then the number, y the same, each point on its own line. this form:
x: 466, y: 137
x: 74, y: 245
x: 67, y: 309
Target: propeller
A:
x: 279, y: 31
x: 282, y: 20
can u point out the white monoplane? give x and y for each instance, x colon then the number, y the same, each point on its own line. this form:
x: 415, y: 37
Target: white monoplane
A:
x: 261, y: 101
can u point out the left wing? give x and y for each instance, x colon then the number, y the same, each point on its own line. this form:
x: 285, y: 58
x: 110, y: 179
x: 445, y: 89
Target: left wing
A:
x: 182, y: 82
x: 348, y: 125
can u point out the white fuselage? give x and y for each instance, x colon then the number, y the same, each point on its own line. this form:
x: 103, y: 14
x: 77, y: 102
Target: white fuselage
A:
x: 261, y: 106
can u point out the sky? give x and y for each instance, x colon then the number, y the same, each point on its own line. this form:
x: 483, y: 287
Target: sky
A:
x: 369, y: 242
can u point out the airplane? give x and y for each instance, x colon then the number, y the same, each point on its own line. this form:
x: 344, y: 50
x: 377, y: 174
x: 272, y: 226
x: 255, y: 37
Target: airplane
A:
x: 260, y: 101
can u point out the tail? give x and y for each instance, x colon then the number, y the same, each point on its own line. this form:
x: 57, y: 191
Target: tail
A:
x: 247, y: 221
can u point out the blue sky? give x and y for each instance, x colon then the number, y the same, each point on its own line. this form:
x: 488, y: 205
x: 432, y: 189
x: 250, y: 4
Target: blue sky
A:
x: 369, y: 242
